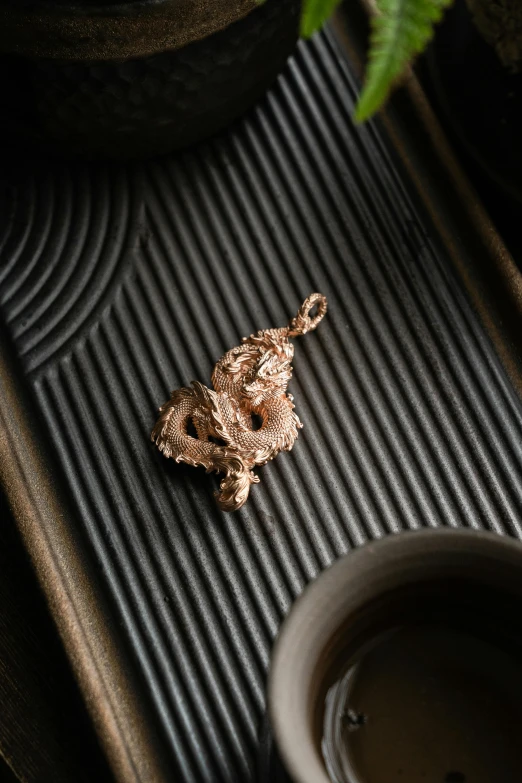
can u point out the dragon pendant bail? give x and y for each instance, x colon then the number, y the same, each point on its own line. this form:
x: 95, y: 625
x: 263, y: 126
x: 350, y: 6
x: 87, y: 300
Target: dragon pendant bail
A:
x: 250, y: 384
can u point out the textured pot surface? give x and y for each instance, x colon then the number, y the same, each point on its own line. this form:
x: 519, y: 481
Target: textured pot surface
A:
x: 147, y: 105
x: 94, y: 31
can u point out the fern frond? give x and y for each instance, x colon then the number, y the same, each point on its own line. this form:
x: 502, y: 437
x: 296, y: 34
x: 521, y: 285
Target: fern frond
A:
x: 400, y: 30
x: 314, y: 13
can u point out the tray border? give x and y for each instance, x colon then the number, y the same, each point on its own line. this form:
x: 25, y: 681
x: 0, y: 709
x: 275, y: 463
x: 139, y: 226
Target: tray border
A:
x: 72, y: 588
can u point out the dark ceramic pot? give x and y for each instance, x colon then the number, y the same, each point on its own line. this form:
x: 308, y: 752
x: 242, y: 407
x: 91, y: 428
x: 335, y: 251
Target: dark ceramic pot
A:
x: 135, y: 78
x: 402, y: 627
x: 480, y: 97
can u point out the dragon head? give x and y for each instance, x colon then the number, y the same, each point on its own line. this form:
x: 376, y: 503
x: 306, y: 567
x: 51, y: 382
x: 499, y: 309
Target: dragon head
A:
x: 270, y: 375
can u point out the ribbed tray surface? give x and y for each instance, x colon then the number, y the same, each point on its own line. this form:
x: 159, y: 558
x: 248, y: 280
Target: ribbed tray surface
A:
x: 120, y: 283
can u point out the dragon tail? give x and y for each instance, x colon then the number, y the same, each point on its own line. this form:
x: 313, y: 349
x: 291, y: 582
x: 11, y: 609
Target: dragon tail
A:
x: 235, y: 487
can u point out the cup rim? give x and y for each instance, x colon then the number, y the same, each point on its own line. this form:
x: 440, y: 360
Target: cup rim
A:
x: 349, y: 584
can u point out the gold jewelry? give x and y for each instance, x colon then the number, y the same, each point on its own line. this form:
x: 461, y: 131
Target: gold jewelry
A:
x: 249, y: 381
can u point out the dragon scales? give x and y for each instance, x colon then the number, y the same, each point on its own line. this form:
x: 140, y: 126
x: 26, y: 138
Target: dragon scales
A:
x: 250, y: 381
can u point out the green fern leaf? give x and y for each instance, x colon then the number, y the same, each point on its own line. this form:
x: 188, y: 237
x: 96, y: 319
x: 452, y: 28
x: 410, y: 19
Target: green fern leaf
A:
x: 314, y: 14
x: 400, y: 30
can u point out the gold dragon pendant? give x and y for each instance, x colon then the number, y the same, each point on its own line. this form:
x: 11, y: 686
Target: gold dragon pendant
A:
x: 250, y: 383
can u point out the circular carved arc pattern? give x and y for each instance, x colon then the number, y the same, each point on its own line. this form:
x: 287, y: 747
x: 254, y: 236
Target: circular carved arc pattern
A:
x: 71, y: 237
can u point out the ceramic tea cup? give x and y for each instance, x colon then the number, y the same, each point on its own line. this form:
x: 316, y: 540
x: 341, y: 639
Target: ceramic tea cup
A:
x: 403, y: 662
